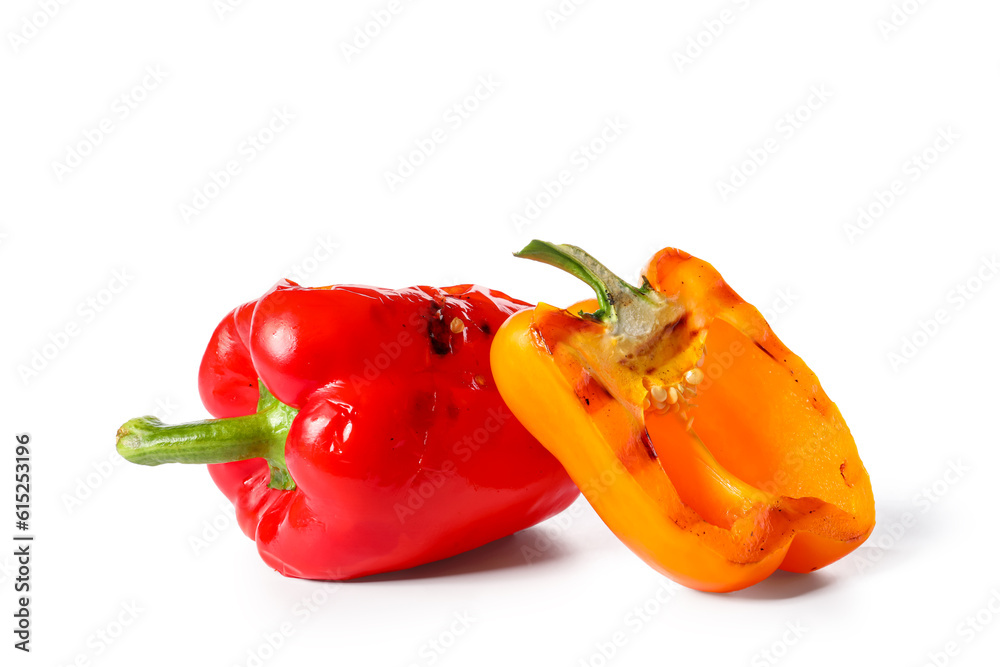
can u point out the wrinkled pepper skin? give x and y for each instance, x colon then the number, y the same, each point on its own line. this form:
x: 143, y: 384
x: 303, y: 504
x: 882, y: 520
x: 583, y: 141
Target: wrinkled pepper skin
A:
x: 705, y: 444
x: 401, y: 451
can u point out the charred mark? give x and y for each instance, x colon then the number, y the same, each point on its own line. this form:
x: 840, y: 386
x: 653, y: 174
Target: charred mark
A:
x: 438, y: 331
x: 765, y: 351
x: 648, y: 442
x: 592, y: 393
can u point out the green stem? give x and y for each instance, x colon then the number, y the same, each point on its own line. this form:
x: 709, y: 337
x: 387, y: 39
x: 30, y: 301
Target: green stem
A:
x: 148, y: 441
x: 614, y: 295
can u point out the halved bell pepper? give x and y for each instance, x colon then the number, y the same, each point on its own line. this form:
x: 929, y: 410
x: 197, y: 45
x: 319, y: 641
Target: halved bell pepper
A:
x: 705, y: 444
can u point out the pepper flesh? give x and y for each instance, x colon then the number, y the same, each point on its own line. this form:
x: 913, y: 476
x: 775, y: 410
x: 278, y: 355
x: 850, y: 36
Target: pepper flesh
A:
x: 706, y: 445
x: 374, y: 437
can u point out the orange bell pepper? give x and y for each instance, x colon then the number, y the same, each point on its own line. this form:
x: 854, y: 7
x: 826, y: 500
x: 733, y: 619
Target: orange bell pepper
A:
x: 706, y: 445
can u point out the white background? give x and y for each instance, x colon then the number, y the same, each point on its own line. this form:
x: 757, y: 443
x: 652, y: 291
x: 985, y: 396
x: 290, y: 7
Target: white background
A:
x: 110, y: 536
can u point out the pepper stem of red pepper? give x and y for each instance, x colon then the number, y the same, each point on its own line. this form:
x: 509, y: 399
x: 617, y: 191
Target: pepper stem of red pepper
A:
x: 148, y: 441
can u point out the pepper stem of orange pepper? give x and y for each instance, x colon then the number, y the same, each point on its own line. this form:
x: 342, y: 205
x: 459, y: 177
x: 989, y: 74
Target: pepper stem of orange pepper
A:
x: 621, y: 304
x: 644, y: 325
x: 148, y: 441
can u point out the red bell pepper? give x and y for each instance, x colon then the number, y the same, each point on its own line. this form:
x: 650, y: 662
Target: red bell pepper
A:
x: 359, y: 429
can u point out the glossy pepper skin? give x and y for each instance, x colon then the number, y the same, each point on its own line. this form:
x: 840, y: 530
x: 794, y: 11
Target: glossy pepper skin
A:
x: 705, y: 444
x: 381, y: 440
